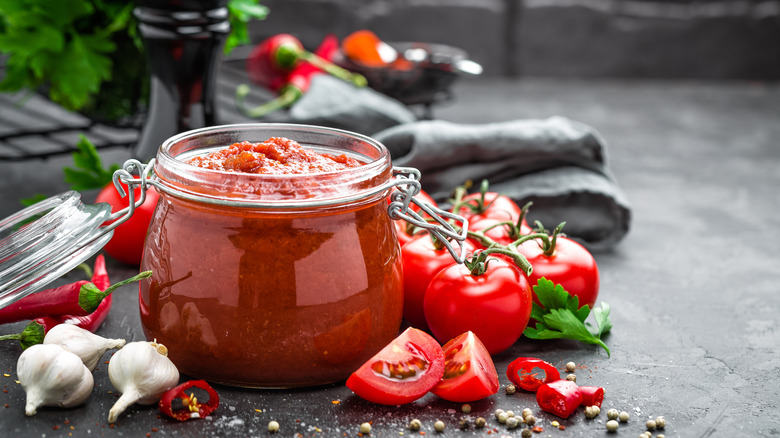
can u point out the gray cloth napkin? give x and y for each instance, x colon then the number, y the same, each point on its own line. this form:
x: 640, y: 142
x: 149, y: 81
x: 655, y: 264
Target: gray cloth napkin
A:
x: 556, y: 163
x: 338, y: 104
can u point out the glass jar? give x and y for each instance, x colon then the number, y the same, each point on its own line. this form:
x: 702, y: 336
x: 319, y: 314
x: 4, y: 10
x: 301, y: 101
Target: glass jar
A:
x: 271, y: 280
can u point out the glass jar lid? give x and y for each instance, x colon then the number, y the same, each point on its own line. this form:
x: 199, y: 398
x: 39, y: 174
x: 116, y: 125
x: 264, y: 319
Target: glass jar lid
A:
x: 46, y: 240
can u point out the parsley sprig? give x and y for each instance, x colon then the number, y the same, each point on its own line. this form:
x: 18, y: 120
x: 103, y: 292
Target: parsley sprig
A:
x: 561, y: 317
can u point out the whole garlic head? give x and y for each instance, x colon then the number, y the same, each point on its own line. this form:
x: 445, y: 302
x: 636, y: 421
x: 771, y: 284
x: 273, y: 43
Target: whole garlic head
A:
x: 142, y: 372
x: 53, y: 376
x: 83, y: 343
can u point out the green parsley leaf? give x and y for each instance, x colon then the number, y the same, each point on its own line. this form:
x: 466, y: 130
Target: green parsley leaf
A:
x: 559, y: 317
x: 89, y: 172
x: 241, y: 12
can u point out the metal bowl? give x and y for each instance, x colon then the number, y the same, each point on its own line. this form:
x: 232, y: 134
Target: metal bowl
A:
x: 418, y: 73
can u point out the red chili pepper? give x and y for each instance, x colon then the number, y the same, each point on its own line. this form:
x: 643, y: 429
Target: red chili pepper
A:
x: 561, y: 397
x: 78, y: 299
x: 525, y: 373
x: 270, y: 65
x: 92, y: 321
x: 191, y: 407
x: 592, y: 395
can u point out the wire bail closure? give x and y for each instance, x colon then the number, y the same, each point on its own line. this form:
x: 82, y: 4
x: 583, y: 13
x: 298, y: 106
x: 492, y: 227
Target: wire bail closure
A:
x: 125, y: 176
x: 407, y: 185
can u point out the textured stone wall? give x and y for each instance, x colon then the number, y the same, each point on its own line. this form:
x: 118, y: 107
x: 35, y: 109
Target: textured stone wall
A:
x: 722, y: 39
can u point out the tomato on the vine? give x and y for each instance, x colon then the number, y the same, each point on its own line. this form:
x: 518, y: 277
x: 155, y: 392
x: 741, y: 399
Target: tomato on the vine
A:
x: 570, y: 265
x: 495, y: 305
x: 127, y: 243
x: 405, y: 230
x: 405, y: 370
x: 499, y: 230
x: 421, y: 261
x: 469, y: 372
x: 490, y: 205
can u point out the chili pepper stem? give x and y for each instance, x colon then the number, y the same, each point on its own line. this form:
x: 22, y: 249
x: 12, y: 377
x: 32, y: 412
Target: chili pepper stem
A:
x: 32, y: 334
x: 90, y: 296
x: 289, y: 95
x: 356, y: 79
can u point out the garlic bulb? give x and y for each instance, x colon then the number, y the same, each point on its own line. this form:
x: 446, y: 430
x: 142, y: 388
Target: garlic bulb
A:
x: 53, y: 376
x: 83, y: 343
x: 142, y: 372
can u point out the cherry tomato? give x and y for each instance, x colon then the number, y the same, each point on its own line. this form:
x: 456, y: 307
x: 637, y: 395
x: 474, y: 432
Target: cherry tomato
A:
x: 561, y: 397
x: 592, y: 395
x: 421, y: 261
x: 570, y: 265
x: 493, y: 205
x: 404, y: 230
x: 405, y: 370
x: 496, y: 305
x: 525, y: 372
x: 127, y: 243
x: 469, y: 372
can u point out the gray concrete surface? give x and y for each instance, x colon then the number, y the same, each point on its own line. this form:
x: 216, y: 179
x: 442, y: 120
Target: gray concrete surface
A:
x: 693, y: 288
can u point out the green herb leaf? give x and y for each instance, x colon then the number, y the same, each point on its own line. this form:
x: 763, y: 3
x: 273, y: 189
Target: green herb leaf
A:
x: 560, y: 318
x: 89, y: 172
x: 241, y: 12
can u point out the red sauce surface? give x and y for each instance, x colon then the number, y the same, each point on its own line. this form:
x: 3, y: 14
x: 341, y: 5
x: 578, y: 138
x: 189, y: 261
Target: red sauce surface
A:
x: 275, y: 156
x: 269, y: 299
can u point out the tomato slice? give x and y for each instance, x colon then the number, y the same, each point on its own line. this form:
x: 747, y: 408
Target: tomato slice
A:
x: 592, y: 395
x: 526, y: 372
x: 561, y: 397
x: 405, y: 370
x: 469, y: 372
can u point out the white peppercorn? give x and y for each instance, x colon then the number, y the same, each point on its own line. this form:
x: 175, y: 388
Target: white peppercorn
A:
x: 512, y: 422
x: 612, y: 426
x: 273, y: 426
x: 660, y: 423
x: 415, y: 424
x: 623, y: 416
x: 438, y: 426
x: 365, y: 428
x: 571, y: 366
x: 650, y: 424
x: 612, y: 414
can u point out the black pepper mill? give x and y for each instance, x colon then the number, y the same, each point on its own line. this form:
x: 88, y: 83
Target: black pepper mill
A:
x: 183, y: 40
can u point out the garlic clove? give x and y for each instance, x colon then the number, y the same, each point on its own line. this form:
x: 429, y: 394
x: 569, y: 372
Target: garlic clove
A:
x: 83, y: 343
x: 53, y: 376
x: 142, y: 372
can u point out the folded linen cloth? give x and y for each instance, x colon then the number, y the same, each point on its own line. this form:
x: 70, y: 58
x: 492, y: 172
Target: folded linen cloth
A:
x: 556, y: 163
x: 335, y: 103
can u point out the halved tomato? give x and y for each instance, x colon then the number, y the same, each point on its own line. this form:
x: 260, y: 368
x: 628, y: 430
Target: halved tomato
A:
x: 469, y: 372
x: 405, y: 370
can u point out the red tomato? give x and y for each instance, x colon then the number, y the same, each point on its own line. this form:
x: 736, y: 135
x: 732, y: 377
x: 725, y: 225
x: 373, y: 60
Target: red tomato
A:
x: 494, y: 205
x: 561, y: 397
x: 420, y: 261
x: 402, y: 227
x: 469, y: 373
x: 525, y: 371
x: 405, y: 370
x: 496, y: 305
x: 127, y: 243
x: 571, y: 265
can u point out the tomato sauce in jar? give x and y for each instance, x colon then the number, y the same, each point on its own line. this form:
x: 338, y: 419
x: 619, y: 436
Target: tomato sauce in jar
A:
x: 286, y: 279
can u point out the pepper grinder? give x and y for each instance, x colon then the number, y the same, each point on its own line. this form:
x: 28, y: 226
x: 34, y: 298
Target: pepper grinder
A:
x: 183, y: 40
